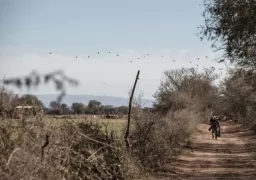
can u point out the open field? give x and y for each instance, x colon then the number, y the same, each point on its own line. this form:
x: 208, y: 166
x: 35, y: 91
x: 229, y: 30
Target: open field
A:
x: 116, y: 125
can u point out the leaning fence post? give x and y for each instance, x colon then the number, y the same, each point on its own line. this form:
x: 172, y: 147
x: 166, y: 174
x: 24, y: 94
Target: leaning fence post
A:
x: 126, y: 137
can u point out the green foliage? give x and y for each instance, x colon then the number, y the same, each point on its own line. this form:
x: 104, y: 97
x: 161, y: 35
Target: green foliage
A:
x: 109, y: 109
x: 230, y: 25
x: 122, y: 109
x: 64, y: 108
x: 54, y: 105
x: 78, y: 108
x: 239, y: 91
x: 30, y: 100
x: 94, y: 106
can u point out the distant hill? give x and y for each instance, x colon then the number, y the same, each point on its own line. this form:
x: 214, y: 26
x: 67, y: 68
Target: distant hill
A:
x: 105, y: 100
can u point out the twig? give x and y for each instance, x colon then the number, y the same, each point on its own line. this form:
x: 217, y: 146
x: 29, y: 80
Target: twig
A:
x: 45, y: 144
x: 97, y: 141
x: 10, y: 157
x: 96, y: 152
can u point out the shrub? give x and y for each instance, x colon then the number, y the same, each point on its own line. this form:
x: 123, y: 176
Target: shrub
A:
x: 155, y: 138
x: 75, y: 151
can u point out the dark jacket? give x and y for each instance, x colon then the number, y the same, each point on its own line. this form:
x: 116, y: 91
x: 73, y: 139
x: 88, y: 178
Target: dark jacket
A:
x: 214, y: 123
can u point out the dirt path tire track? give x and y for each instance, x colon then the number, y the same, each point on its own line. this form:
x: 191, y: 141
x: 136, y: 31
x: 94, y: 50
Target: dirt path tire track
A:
x: 232, y: 156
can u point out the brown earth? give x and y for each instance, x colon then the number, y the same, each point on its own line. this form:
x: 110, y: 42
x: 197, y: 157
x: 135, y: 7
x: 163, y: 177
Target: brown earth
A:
x: 231, y: 156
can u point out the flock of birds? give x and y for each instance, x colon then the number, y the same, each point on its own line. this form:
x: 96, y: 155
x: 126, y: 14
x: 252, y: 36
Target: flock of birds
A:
x: 144, y: 56
x: 193, y: 63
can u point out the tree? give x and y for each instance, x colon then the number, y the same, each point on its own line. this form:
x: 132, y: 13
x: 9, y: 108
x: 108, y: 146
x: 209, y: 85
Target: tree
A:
x: 109, y: 109
x: 54, y: 105
x: 239, y: 94
x: 30, y: 100
x: 78, y: 108
x: 230, y: 25
x: 94, y: 106
x: 181, y: 88
x: 122, y: 109
x: 64, y: 108
x: 8, y: 101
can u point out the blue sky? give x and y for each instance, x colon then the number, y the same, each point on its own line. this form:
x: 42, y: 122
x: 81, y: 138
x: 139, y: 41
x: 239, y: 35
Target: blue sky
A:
x: 30, y: 29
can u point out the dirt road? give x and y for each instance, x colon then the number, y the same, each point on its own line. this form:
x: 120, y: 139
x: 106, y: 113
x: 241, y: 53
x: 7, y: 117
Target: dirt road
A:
x: 232, y: 156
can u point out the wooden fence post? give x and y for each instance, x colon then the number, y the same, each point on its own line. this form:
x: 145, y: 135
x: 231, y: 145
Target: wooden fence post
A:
x: 126, y: 137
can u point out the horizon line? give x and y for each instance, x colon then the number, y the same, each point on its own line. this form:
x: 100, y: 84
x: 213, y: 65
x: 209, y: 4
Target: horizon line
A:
x: 95, y: 95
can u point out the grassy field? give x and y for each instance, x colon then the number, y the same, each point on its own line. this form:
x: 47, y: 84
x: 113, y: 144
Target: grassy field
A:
x: 116, y: 125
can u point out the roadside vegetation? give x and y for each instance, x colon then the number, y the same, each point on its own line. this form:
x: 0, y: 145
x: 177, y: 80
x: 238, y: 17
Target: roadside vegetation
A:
x: 87, y: 148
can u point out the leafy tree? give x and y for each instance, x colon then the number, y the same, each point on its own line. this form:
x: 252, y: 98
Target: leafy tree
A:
x: 30, y: 100
x: 122, y: 109
x: 78, y: 108
x: 64, y: 108
x: 94, y: 106
x: 109, y: 109
x: 54, y: 105
x: 239, y: 95
x: 101, y: 109
x: 230, y: 25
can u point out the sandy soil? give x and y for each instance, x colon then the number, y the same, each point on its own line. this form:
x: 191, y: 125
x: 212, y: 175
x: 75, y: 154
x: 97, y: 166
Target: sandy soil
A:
x: 232, y: 156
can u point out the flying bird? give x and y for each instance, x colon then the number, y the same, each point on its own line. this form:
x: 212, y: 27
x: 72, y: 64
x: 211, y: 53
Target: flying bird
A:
x: 50, y: 53
x: 131, y: 61
x: 117, y: 54
x: 173, y: 60
x: 88, y: 56
x: 76, y: 56
x: 98, y: 52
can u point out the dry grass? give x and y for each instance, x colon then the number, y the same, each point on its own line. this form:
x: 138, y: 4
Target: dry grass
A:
x: 155, y: 138
x: 77, y: 149
x: 84, y: 147
x: 116, y: 125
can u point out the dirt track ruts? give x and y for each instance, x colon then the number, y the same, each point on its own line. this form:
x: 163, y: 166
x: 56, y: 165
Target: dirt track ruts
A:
x: 232, y: 156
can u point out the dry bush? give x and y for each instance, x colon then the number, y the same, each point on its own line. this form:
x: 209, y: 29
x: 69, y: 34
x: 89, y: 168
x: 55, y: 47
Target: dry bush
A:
x: 184, y: 99
x: 239, y: 90
x: 75, y: 151
x: 155, y: 137
x: 182, y: 88
x: 38, y: 149
x: 8, y: 101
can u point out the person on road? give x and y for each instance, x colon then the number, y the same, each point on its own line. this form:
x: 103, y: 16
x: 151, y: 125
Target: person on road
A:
x: 214, y: 124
